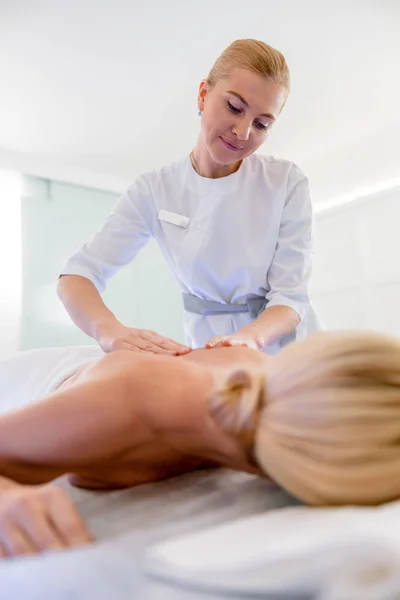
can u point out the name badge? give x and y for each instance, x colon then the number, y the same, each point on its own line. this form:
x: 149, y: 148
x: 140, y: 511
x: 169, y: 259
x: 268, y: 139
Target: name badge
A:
x: 174, y: 218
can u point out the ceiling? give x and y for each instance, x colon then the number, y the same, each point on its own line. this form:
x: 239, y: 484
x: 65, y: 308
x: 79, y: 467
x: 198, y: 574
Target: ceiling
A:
x: 97, y: 91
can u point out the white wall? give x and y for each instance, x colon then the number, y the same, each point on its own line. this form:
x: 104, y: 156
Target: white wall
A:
x: 56, y: 219
x: 11, y: 264
x: 356, y: 277
x: 366, y: 161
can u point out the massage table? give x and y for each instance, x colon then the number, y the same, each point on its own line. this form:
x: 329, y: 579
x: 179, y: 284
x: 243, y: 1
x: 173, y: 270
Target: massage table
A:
x: 133, y: 527
x: 127, y: 522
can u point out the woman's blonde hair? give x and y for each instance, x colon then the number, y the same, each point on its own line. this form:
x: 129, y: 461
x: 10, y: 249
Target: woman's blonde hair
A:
x: 329, y: 431
x: 252, y: 55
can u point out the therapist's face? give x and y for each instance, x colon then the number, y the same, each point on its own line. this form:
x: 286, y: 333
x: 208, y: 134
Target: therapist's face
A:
x: 238, y: 113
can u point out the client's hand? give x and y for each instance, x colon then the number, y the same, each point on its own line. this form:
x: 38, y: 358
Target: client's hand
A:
x: 236, y: 339
x: 35, y: 519
x: 139, y: 340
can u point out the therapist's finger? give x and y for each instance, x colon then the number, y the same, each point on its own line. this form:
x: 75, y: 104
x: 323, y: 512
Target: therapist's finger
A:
x: 145, y: 345
x: 232, y: 341
x: 148, y: 347
x: 178, y: 346
x: 245, y: 342
x: 215, y: 341
x: 135, y: 342
x: 125, y: 344
x: 166, y: 343
x: 163, y: 344
x: 133, y: 348
x: 183, y: 350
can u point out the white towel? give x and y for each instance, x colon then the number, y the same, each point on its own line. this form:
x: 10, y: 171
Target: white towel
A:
x: 28, y: 376
x: 347, y: 553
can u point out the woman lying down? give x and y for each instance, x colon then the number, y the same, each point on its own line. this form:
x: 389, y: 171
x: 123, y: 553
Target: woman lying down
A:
x: 322, y: 419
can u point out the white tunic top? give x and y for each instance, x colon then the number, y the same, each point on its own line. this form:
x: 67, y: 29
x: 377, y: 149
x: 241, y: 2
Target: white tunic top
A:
x: 246, y: 234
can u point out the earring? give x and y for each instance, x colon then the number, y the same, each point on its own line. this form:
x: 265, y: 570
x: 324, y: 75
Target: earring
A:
x: 199, y: 113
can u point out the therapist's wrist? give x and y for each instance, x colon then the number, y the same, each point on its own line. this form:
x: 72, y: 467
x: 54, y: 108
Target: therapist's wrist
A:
x: 255, y: 333
x: 106, y: 327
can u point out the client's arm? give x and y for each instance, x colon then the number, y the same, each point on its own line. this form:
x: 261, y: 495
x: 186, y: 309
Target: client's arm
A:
x: 117, y: 407
x: 82, y: 426
x: 125, y: 420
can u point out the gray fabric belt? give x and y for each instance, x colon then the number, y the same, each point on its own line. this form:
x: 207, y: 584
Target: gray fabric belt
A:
x: 253, y: 306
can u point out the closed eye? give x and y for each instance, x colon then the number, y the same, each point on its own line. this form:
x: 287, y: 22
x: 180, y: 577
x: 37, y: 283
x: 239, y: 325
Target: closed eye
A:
x: 258, y: 124
x: 234, y: 109
x: 261, y: 126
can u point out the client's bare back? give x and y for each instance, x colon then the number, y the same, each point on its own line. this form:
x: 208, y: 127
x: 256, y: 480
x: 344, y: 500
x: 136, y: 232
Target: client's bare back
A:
x: 172, y: 430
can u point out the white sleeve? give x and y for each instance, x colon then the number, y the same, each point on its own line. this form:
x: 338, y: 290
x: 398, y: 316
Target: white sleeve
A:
x: 125, y: 231
x: 289, y: 274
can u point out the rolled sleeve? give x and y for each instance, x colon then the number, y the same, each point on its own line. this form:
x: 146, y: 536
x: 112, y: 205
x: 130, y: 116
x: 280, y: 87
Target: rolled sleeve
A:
x: 125, y: 231
x: 289, y: 274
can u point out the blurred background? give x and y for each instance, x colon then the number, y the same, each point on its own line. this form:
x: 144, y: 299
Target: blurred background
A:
x: 94, y: 92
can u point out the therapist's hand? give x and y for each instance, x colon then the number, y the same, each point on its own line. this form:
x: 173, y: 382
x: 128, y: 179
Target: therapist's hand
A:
x: 139, y: 340
x: 36, y: 519
x: 256, y: 342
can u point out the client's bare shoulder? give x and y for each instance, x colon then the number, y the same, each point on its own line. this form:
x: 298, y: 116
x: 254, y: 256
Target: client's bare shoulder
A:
x: 226, y: 357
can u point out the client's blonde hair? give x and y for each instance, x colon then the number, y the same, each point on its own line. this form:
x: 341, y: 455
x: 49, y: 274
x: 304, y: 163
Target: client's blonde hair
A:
x: 329, y: 431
